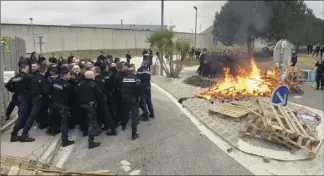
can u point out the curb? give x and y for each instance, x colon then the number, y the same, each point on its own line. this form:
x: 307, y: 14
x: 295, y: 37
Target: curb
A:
x: 8, y: 125
x: 49, y: 153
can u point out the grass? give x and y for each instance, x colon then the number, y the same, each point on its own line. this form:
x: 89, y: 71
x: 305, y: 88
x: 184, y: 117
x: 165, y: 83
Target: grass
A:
x: 306, y: 61
x: 198, y: 81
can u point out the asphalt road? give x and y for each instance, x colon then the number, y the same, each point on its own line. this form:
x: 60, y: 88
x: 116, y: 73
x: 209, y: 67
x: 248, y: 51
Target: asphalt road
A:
x: 168, y: 144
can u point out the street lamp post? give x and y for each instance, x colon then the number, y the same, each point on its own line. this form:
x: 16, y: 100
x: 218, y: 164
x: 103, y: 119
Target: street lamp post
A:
x: 32, y: 25
x: 192, y: 35
x: 162, y: 28
x: 196, y: 25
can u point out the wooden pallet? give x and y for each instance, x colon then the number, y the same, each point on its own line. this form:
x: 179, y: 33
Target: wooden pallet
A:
x: 230, y: 110
x: 280, y: 124
x: 19, y: 166
x: 254, y: 127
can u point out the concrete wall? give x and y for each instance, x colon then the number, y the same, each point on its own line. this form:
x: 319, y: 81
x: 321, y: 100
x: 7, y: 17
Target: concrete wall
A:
x: 67, y: 38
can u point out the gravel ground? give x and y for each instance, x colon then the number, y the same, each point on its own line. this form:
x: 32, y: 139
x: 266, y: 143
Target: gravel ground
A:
x: 179, y: 89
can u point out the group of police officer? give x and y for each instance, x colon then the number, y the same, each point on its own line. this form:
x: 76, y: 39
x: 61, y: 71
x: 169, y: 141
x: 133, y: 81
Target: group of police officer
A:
x: 96, y: 96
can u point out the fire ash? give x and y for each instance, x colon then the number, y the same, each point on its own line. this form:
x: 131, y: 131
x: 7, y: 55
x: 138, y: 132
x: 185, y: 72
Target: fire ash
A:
x: 246, y: 83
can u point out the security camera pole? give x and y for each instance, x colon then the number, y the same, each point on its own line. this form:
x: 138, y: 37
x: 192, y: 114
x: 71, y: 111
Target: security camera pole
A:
x: 32, y: 25
x: 196, y: 25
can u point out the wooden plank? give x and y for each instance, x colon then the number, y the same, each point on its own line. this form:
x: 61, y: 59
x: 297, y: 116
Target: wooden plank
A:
x: 14, y: 170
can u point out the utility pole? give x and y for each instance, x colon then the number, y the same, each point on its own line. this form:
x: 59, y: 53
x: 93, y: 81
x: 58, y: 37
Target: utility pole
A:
x: 135, y: 40
x: 32, y: 25
x: 162, y: 28
x: 196, y: 26
x: 40, y: 41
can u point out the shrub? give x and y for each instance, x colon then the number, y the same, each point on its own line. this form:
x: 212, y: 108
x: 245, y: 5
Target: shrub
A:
x: 198, y: 81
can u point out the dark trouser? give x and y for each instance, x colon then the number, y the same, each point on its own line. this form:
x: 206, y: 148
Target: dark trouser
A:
x: 293, y: 64
x: 128, y: 60
x: 111, y: 103
x: 23, y: 109
x: 319, y: 80
x: 107, y: 120
x: 317, y: 52
x: 200, y: 68
x: 149, y: 67
x: 54, y: 117
x: 91, y: 116
x: 36, y: 105
x: 63, y: 114
x: 42, y: 118
x: 119, y: 106
x: 131, y: 105
x: 12, y: 104
x: 308, y: 50
x: 146, y: 103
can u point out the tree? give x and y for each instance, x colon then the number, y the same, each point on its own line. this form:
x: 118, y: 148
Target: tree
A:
x: 243, y: 21
x: 180, y: 49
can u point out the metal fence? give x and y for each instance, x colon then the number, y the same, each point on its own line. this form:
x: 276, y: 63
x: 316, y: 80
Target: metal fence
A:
x: 9, y: 57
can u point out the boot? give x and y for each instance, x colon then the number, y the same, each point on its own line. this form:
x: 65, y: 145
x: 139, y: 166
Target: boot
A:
x: 26, y: 138
x: 113, y: 132
x: 317, y: 88
x: 145, y: 118
x: 135, y: 136
x: 14, y: 137
x: 105, y: 128
x: 85, y: 133
x: 151, y: 116
x: 67, y: 142
x: 123, y: 127
x: 92, y: 144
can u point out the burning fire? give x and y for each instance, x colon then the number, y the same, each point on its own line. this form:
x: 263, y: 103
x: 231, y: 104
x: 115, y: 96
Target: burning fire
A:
x: 245, y: 84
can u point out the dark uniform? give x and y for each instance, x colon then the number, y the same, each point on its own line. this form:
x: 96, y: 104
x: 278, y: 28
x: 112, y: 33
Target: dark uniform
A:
x: 39, y: 91
x: 150, y: 59
x: 89, y: 97
x: 319, y: 75
x: 52, y: 60
x: 61, y: 101
x: 128, y: 57
x: 20, y: 85
x: 131, y: 92
x: 146, y: 101
x: 77, y: 117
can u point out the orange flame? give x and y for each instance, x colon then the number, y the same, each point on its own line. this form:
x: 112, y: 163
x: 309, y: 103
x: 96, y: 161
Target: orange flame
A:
x: 246, y: 83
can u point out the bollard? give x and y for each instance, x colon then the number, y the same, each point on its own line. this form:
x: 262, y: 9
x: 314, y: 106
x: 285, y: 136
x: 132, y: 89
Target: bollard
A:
x: 155, y: 69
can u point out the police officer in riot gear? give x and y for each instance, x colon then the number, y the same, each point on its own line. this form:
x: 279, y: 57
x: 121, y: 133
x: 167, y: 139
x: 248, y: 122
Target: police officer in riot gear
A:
x: 53, y: 59
x: 131, y: 92
x: 89, y: 97
x: 40, y: 89
x: 105, y: 116
x: 20, y: 85
x: 61, y: 99
x: 146, y: 102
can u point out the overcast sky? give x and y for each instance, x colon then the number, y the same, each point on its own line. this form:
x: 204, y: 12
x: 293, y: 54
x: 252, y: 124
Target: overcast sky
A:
x: 179, y: 13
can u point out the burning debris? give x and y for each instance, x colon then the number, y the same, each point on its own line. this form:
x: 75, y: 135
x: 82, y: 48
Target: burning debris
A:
x: 245, y: 84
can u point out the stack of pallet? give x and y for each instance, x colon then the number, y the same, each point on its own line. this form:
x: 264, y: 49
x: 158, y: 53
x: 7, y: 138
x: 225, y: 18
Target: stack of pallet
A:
x: 271, y: 122
x: 282, y: 125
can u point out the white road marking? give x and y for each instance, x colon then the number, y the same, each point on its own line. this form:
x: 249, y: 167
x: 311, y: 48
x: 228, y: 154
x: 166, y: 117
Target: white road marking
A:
x: 125, y: 163
x: 135, y: 172
x: 256, y: 164
x: 126, y: 168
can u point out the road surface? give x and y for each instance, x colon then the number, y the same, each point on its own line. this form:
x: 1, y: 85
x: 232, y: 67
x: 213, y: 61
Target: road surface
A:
x: 168, y: 144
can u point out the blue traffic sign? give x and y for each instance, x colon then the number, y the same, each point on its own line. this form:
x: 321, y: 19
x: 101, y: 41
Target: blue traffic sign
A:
x: 280, y: 95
